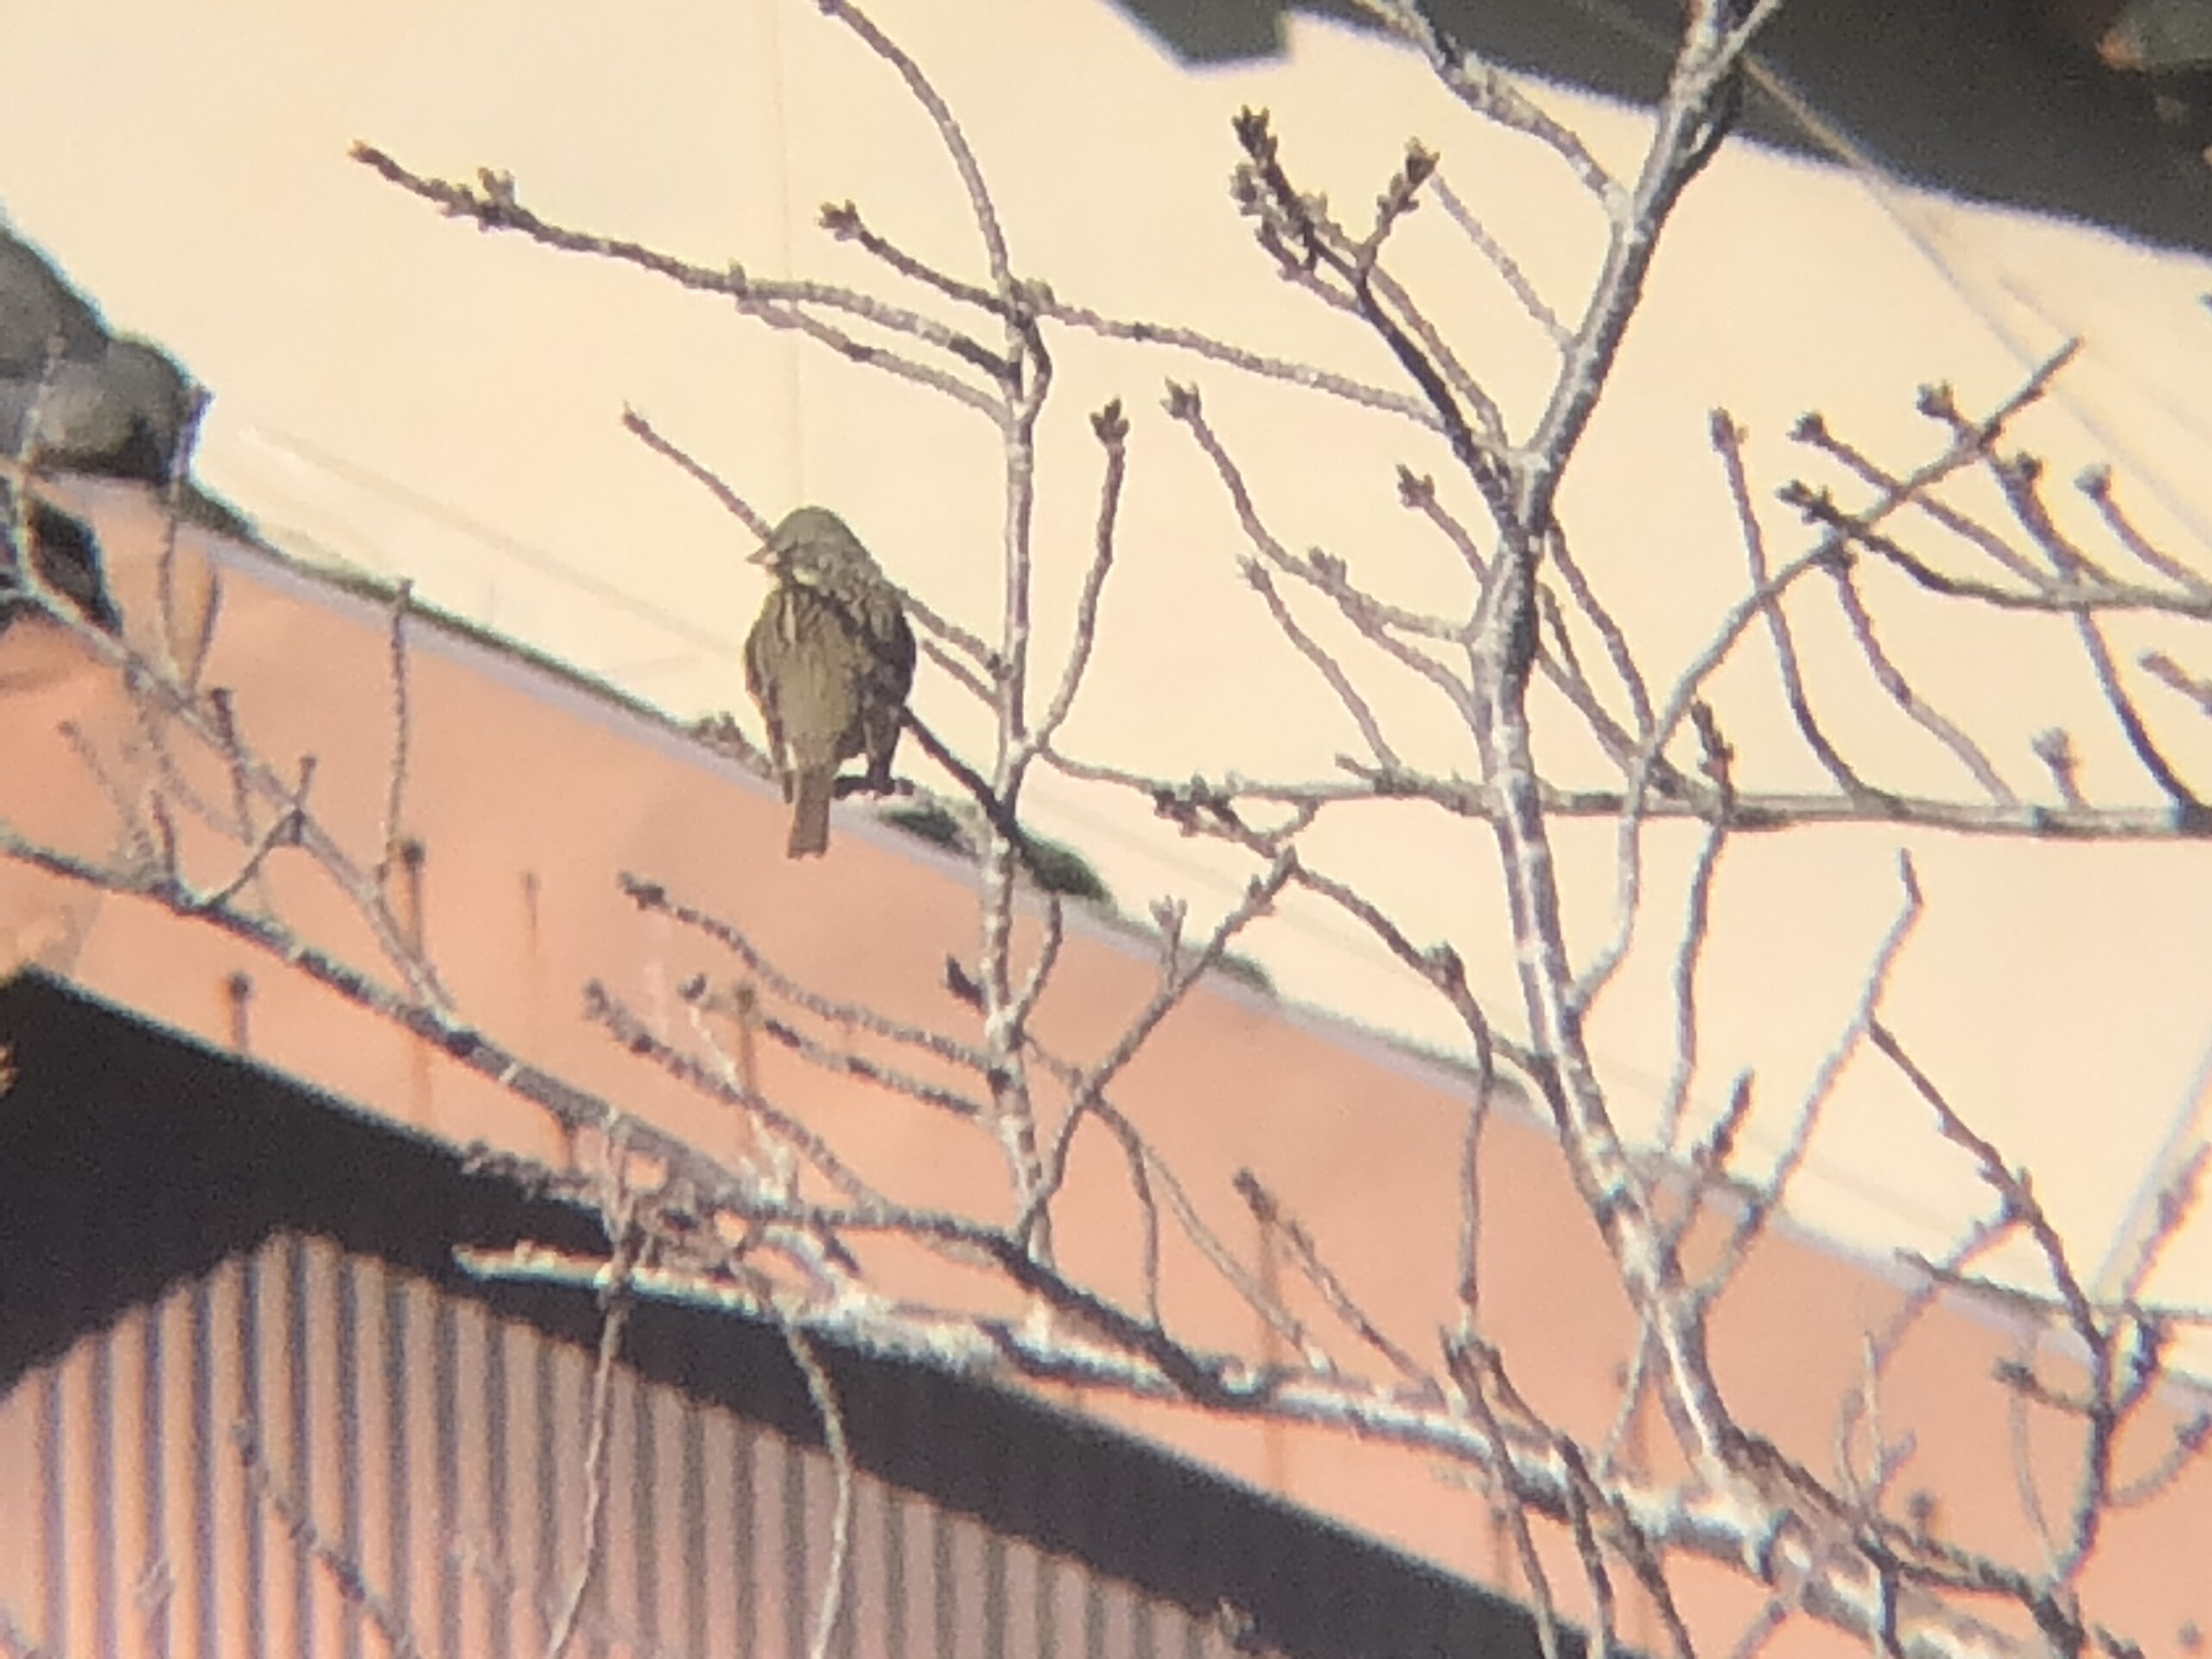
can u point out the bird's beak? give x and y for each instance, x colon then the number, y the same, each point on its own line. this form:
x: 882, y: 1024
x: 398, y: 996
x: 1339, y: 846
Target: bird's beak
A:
x: 766, y: 556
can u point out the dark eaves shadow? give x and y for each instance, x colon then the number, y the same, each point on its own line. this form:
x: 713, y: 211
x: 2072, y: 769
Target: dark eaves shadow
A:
x: 1974, y: 97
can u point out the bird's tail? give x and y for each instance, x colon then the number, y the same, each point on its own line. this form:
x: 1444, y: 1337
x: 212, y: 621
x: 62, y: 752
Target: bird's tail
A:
x: 811, y: 796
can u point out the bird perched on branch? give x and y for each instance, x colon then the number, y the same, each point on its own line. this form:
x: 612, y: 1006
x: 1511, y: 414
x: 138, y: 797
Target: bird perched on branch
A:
x: 830, y: 662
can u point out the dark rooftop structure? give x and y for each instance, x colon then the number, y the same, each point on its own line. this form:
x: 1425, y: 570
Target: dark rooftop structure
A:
x: 2003, y: 102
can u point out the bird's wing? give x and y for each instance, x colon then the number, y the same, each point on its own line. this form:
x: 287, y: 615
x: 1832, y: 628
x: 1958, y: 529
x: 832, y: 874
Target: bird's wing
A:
x: 760, y: 676
x: 891, y: 642
x: 901, y: 649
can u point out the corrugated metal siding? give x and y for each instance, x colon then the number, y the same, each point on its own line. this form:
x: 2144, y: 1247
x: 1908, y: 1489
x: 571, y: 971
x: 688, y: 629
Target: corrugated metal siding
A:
x: 201, y: 1477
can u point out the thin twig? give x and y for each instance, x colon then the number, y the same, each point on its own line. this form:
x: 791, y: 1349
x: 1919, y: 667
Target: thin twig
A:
x: 283, y: 830
x: 1615, y: 641
x: 956, y: 142
x: 2196, y: 689
x: 842, y: 220
x: 1486, y: 89
x: 1558, y: 666
x: 842, y: 1061
x: 1812, y: 430
x: 493, y: 205
x: 1303, y: 375
x: 1636, y: 802
x: 2094, y: 1487
x: 2018, y: 479
x: 1111, y: 428
x: 347, y: 1573
x: 2055, y: 748
x: 129, y: 814
x: 2187, y: 806
x: 2096, y: 484
x: 2062, y: 597
x: 1923, y: 713
x: 1757, y: 811
x: 1268, y: 1210
x: 1374, y: 620
x: 1583, y: 1500
x: 654, y: 900
x: 1182, y: 970
x: 1492, y: 250
x: 1728, y: 444
x: 824, y: 1394
x: 1966, y: 446
x: 402, y: 724
x: 1864, y: 1022
x: 1696, y: 926
x: 614, y: 1314
x: 1332, y: 671
x: 603, y: 1009
x: 644, y: 431
x: 1471, y: 1145
x: 1467, y: 1364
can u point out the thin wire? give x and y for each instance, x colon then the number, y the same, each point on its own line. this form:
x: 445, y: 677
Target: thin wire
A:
x: 2184, y: 1137
x: 721, y: 645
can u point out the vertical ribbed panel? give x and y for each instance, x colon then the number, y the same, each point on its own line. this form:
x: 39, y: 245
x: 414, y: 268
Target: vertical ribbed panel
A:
x: 415, y: 1484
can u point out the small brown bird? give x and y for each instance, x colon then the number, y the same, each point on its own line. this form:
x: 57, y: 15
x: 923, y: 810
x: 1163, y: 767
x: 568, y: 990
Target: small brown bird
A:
x: 830, y: 662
